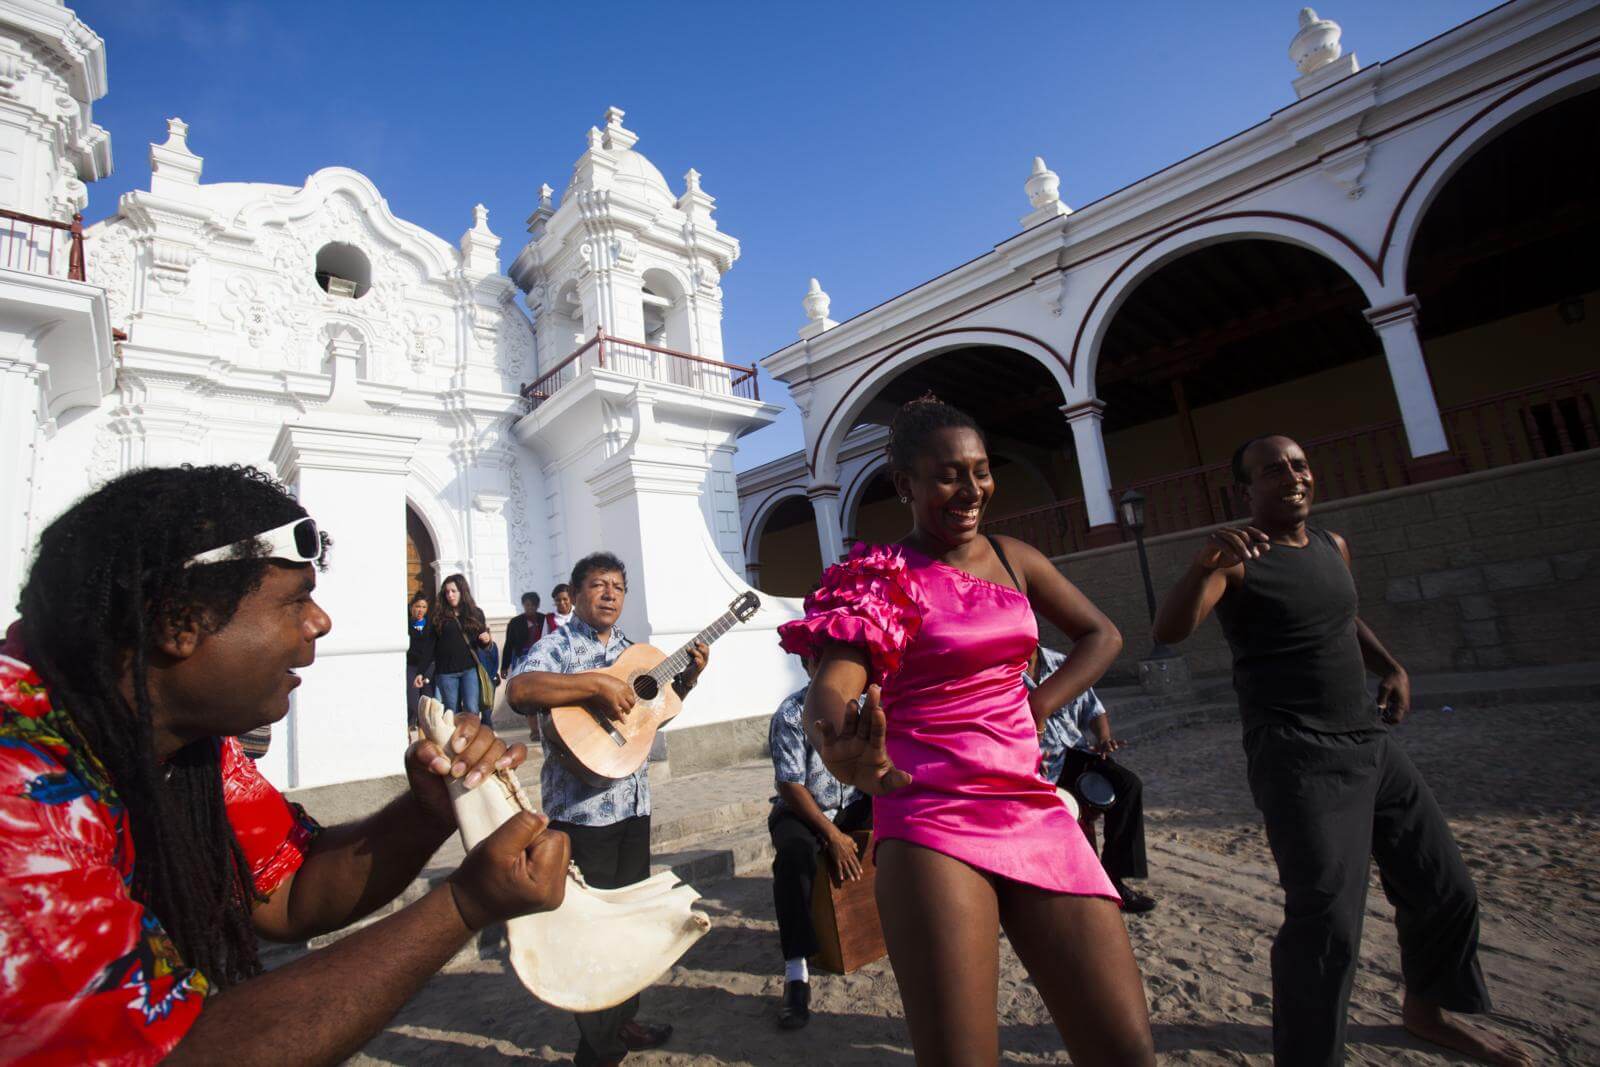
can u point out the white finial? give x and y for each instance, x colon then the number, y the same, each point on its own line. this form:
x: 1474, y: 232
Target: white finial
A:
x: 545, y: 195
x: 1043, y: 185
x: 594, y: 138
x: 1316, y: 43
x: 480, y: 217
x: 177, y: 135
x: 614, y: 116
x: 617, y: 137
x: 691, y: 181
x: 816, y: 304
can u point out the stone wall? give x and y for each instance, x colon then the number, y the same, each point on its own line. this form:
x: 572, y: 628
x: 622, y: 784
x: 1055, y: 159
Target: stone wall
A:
x: 1495, y: 569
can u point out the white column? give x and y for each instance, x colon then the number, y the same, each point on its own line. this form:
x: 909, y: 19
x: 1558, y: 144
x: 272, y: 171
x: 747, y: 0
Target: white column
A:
x: 824, y: 499
x: 1084, y: 417
x: 1419, y: 409
x: 19, y: 427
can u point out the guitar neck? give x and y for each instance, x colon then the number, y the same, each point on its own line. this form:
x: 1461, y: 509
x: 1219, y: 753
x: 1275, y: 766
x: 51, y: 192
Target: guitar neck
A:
x: 678, y: 662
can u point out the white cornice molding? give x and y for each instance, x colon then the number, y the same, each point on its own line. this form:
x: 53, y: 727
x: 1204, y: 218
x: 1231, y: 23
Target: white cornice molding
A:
x: 320, y: 445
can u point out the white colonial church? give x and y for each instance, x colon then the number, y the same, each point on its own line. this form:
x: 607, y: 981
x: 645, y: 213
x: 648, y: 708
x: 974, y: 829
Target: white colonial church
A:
x: 387, y: 375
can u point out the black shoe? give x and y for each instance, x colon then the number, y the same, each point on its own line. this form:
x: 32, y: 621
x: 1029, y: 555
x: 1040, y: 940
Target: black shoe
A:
x: 1133, y: 901
x: 640, y: 1036
x: 795, y: 1011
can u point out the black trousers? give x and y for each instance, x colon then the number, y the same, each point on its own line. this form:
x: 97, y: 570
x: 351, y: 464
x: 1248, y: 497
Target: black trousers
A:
x: 1329, y: 802
x: 794, y: 871
x: 1122, y: 851
x: 610, y: 857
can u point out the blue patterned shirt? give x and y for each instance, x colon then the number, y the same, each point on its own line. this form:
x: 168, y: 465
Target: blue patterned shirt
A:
x: 572, y: 649
x: 794, y: 760
x: 1068, y: 726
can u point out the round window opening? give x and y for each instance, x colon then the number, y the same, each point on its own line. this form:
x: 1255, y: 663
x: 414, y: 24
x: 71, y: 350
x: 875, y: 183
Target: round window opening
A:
x: 343, y: 270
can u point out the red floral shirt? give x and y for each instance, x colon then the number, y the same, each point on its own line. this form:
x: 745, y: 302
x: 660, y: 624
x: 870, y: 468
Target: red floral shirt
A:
x: 87, y: 975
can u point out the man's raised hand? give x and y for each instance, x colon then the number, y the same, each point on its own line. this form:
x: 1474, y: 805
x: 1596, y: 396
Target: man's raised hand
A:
x: 1231, y: 546
x: 856, y: 753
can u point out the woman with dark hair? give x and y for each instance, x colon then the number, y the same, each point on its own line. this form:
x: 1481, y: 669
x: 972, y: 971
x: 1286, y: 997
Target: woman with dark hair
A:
x: 970, y: 838
x: 459, y: 628
x: 420, y: 640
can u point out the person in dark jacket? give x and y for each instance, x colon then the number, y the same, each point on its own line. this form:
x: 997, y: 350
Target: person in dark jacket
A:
x: 521, y: 633
x: 419, y: 655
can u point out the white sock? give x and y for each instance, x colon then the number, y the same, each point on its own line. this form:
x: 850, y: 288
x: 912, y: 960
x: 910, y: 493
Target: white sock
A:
x: 795, y: 970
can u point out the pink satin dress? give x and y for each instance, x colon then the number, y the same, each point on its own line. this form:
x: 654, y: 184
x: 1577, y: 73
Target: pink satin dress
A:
x: 949, y: 649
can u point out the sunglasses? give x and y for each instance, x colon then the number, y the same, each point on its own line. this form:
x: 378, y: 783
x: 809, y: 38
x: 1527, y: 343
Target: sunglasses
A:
x: 293, y: 542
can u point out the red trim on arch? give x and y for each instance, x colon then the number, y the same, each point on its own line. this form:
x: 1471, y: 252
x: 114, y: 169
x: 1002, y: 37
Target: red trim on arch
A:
x: 826, y: 423
x: 1411, y: 186
x: 1366, y: 260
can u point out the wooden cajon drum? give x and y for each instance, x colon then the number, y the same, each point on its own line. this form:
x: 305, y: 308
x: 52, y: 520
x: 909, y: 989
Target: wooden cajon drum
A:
x: 846, y: 916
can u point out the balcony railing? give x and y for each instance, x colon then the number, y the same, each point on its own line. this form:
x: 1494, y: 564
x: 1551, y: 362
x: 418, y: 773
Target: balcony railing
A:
x: 41, y: 246
x: 649, y: 362
x: 1551, y: 419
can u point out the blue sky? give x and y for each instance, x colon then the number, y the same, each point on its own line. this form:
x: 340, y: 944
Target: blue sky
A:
x: 871, y: 144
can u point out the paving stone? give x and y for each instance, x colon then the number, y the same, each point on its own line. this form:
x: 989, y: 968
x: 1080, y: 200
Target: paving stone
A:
x: 1402, y: 590
x: 1516, y: 574
x: 1451, y: 583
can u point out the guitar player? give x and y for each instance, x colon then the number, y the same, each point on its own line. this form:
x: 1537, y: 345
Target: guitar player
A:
x: 610, y: 826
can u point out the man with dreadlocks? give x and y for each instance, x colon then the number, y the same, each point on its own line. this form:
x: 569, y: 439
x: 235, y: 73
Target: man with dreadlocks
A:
x: 142, y: 855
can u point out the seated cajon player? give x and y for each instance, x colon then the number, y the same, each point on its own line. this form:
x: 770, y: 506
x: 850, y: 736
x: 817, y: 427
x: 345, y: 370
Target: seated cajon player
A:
x: 811, y: 813
x: 1077, y: 738
x: 609, y: 826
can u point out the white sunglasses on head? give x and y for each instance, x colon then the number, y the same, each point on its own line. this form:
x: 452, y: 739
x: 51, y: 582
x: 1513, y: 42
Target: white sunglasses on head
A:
x: 293, y: 542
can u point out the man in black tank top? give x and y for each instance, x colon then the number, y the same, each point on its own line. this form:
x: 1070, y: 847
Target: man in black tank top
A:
x: 1332, y: 786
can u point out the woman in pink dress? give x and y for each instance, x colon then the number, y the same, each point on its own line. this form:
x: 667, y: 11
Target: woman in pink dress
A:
x: 970, y: 837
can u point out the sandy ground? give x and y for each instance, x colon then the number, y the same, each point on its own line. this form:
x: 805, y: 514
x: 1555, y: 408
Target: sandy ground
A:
x: 1519, y: 785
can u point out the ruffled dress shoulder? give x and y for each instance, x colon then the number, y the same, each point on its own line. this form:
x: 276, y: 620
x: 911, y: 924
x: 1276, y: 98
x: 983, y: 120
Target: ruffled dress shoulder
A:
x: 866, y: 601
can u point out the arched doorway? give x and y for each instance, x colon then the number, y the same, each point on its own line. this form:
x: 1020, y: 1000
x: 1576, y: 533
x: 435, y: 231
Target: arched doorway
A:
x: 421, y: 557
x: 1508, y: 286
x: 1234, y: 339
x: 789, y: 559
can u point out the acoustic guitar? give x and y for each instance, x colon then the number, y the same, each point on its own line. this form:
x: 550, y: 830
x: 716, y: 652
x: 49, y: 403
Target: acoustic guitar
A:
x: 601, y: 750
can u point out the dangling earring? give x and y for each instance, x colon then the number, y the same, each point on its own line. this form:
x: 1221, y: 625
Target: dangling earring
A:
x: 905, y: 500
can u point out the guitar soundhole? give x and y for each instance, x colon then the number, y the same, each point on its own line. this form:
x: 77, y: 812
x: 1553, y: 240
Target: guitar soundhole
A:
x: 645, y: 687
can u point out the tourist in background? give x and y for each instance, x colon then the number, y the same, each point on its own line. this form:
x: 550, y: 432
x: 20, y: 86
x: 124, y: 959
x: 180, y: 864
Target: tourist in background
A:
x: 561, y: 598
x: 459, y: 630
x: 1077, y: 738
x: 522, y: 632
x: 419, y: 655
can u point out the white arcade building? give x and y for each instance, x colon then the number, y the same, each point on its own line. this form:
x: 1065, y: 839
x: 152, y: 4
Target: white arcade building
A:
x: 388, y: 376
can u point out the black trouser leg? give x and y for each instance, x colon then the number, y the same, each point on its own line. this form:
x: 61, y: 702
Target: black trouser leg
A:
x: 610, y: 857
x: 1122, y: 853
x: 413, y: 697
x: 1316, y: 793
x: 1435, y: 903
x: 794, y: 869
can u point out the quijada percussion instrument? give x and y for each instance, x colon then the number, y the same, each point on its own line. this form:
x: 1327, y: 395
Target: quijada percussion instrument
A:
x: 1095, y: 790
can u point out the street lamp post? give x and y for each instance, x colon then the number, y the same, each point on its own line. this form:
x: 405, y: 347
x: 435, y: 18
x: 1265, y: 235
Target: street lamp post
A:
x: 1131, y: 507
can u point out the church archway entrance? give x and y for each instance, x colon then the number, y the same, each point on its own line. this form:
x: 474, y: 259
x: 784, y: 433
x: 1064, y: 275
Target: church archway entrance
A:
x: 421, y: 557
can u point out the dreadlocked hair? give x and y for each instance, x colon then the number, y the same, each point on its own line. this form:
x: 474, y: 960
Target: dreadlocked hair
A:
x: 916, y: 422
x: 107, y: 583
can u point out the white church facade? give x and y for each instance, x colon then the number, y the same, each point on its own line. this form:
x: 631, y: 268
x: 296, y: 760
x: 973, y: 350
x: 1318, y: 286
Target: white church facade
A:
x: 391, y: 378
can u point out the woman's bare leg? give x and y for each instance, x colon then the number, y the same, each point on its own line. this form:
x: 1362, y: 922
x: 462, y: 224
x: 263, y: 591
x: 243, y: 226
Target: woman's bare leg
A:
x: 942, y: 928
x: 1076, y: 951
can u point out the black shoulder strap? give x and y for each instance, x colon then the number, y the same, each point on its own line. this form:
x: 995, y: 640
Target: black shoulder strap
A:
x: 1004, y: 562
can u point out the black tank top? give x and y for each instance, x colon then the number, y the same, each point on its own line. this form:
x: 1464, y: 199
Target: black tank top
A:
x: 1292, y: 626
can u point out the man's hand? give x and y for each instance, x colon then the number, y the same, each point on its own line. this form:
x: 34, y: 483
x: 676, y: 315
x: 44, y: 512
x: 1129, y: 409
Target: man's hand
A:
x: 856, y: 754
x: 473, y: 753
x: 613, y: 697
x: 1231, y: 546
x: 844, y: 858
x: 484, y: 638
x: 699, y: 656
x: 1394, y: 696
x: 520, y: 868
x: 1106, y: 747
